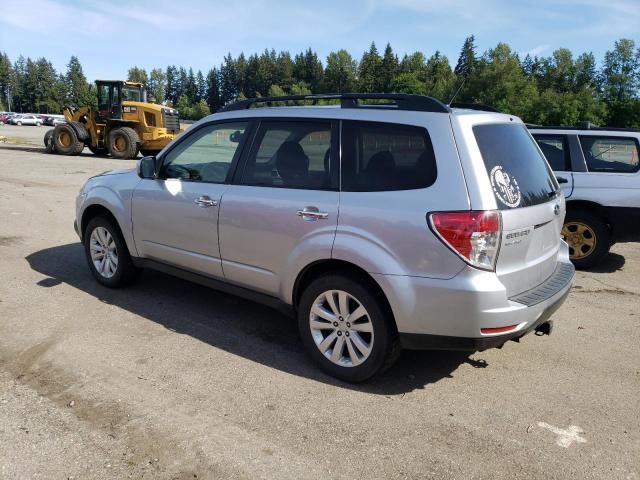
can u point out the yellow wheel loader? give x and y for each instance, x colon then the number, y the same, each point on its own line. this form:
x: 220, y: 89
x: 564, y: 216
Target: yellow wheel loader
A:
x: 122, y: 125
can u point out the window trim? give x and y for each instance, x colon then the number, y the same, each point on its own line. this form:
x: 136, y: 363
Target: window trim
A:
x: 611, y: 137
x: 428, y: 139
x: 192, y: 131
x: 565, y: 148
x: 251, y: 149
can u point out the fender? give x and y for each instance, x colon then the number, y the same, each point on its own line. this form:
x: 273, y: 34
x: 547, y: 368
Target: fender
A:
x: 119, y: 207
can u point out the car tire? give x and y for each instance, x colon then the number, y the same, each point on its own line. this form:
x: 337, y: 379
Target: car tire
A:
x: 114, y: 268
x: 65, y: 140
x: 369, y: 344
x: 38, y: 124
x: 123, y: 143
x: 19, y: 124
x: 588, y: 238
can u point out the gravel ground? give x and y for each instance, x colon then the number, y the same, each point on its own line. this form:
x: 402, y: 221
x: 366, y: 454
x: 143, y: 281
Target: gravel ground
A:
x: 169, y: 380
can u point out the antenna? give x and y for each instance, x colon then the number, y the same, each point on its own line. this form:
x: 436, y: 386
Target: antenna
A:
x: 464, y: 79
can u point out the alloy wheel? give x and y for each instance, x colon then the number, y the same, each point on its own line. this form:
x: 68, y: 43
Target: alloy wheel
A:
x: 581, y: 239
x: 341, y: 328
x: 104, y: 253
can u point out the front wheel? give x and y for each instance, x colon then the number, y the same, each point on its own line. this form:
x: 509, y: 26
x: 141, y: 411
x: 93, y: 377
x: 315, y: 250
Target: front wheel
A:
x: 346, y: 329
x: 19, y: 124
x: 107, y: 254
x: 588, y: 238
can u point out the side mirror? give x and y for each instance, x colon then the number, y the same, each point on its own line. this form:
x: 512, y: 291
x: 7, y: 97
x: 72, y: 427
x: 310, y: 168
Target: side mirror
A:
x: 146, y: 167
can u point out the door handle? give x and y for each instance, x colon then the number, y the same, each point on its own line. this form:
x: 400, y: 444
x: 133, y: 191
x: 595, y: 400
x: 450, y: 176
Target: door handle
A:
x: 562, y: 180
x: 205, y: 202
x: 311, y: 214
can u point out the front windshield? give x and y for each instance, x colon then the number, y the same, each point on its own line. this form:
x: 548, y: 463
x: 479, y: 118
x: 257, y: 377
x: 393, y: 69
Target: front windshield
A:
x: 131, y: 93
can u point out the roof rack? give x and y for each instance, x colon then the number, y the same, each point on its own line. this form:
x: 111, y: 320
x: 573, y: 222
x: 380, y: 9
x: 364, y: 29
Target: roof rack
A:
x: 417, y: 103
x: 475, y: 106
x: 584, y: 126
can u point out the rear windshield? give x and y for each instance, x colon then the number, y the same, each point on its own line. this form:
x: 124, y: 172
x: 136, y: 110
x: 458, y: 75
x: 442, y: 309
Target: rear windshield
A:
x: 518, y: 172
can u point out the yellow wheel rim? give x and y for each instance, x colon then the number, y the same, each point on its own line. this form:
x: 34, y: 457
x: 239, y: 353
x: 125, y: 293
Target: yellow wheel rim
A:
x: 119, y: 144
x: 581, y: 239
x: 64, y: 139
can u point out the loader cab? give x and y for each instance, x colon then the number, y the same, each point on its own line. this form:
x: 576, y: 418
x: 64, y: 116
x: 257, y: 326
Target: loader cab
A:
x: 111, y: 94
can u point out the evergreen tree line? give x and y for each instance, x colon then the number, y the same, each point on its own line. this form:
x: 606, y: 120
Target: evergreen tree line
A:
x: 559, y: 90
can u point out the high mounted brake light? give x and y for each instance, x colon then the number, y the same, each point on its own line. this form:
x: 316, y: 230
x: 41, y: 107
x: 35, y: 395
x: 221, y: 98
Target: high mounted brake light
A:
x: 473, y: 235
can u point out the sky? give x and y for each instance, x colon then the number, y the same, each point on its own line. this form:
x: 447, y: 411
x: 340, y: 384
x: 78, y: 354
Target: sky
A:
x: 109, y: 37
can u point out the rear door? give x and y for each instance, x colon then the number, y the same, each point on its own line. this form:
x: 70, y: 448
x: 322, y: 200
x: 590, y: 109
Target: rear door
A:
x: 556, y: 150
x: 529, y: 199
x: 282, y: 211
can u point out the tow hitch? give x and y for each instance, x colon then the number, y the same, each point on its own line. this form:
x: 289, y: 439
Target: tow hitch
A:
x: 544, y: 328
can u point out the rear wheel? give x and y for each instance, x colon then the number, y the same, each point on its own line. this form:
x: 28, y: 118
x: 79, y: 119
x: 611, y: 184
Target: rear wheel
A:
x: 123, y: 143
x: 65, y: 140
x: 48, y: 142
x: 346, y: 328
x: 19, y: 123
x: 587, y: 236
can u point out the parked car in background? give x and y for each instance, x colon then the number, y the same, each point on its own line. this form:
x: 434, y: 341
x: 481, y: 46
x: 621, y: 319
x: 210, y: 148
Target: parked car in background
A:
x: 448, y: 235
x: 26, y: 120
x: 57, y: 121
x: 598, y: 169
x: 50, y: 120
x: 4, y: 118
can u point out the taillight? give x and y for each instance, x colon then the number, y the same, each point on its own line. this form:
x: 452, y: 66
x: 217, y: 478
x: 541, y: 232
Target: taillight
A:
x: 473, y: 235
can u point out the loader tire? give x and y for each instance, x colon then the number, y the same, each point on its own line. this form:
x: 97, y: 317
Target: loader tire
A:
x: 123, y: 143
x: 48, y: 142
x: 65, y: 140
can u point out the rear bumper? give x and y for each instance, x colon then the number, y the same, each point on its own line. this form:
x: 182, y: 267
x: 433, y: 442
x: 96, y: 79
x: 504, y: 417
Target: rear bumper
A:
x: 452, y: 314
x: 413, y: 341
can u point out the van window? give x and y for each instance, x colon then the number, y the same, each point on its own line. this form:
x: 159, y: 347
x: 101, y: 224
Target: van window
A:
x: 610, y: 154
x: 518, y: 173
x: 386, y: 156
x: 555, y: 150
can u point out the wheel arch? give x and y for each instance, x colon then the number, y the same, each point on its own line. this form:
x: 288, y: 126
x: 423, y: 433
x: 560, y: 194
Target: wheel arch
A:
x: 95, y: 210
x: 323, y: 267
x: 594, y: 208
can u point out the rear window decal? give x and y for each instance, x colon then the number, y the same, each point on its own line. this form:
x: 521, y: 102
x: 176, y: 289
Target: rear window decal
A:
x: 505, y: 187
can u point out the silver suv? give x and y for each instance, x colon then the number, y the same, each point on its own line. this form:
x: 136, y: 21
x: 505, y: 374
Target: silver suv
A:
x: 383, y: 222
x: 599, y: 172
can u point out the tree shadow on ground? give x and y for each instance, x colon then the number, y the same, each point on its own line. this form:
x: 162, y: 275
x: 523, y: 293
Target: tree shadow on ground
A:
x: 238, y: 326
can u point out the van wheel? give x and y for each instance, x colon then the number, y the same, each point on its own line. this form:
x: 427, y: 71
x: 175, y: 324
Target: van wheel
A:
x: 123, y: 143
x: 588, y: 238
x: 107, y: 254
x: 346, y: 329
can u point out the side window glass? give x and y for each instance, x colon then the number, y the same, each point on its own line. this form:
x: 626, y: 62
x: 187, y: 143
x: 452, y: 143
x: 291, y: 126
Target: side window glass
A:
x: 610, y: 154
x: 290, y: 154
x: 555, y: 150
x: 386, y: 156
x: 206, y: 155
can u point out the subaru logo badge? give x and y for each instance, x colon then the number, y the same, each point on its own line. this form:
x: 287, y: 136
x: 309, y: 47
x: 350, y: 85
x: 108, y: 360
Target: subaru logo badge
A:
x: 556, y: 209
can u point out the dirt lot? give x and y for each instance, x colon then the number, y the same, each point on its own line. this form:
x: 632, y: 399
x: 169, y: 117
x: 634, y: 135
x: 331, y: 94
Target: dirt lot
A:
x: 167, y: 379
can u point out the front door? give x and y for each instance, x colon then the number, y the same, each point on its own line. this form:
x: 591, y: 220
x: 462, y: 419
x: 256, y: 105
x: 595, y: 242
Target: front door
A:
x: 175, y: 217
x: 282, y: 211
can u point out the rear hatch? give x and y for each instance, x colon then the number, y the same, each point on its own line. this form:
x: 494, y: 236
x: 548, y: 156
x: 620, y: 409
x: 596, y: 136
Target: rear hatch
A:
x: 529, y: 199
